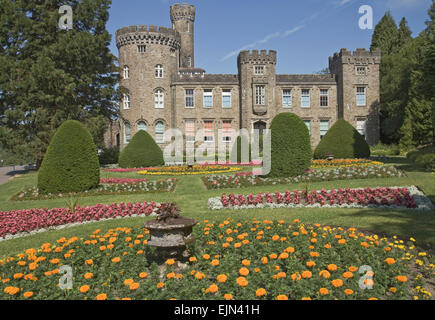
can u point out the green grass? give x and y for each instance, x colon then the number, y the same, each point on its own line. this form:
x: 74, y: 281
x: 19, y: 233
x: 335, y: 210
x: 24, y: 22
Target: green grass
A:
x: 192, y: 197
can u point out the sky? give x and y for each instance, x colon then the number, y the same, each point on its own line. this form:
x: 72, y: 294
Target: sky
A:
x: 303, y: 32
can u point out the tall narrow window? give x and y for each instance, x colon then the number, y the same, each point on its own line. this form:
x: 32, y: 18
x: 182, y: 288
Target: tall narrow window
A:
x: 308, y: 124
x: 260, y: 95
x: 226, y: 98
x: 258, y: 70
x: 187, y: 26
x: 189, y: 98
x: 360, y: 96
x: 190, y: 130
x: 126, y: 72
x: 189, y: 61
x: 141, y: 126
x: 208, y: 98
x: 159, y: 99
x: 208, y: 131
x: 324, y: 97
x: 126, y: 101
x: 286, y: 98
x: 127, y: 132
x: 305, y: 98
x: 226, y: 131
x: 141, y: 48
x: 160, y: 131
x: 324, y: 127
x: 159, y: 71
x: 361, y: 126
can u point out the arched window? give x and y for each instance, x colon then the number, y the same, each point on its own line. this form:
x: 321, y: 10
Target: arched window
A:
x: 159, y: 99
x: 160, y: 130
x: 127, y: 132
x: 126, y: 72
x: 141, y: 126
x: 126, y: 101
x: 159, y: 71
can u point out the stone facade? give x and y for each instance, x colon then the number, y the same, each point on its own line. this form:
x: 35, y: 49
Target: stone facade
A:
x: 165, y: 90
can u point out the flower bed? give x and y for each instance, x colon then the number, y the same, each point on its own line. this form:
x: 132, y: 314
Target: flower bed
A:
x: 18, y: 223
x: 385, y: 197
x: 120, y: 180
x: 186, y: 170
x: 165, y: 185
x: 317, y: 164
x: 242, y: 260
x: 342, y: 173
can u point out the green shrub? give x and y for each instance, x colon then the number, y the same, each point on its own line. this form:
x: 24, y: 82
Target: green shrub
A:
x: 291, y: 152
x: 71, y: 161
x: 236, y: 151
x: 381, y: 149
x: 142, y: 151
x: 109, y: 156
x: 424, y: 157
x: 343, y: 141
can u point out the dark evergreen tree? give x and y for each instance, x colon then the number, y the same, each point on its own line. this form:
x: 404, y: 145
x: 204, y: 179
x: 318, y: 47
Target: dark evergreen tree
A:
x: 385, y: 35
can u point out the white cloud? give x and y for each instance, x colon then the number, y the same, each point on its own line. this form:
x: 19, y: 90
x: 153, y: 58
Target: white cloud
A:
x: 341, y: 2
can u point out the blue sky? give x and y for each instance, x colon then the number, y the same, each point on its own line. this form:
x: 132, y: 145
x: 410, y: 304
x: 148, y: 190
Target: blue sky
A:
x: 303, y: 32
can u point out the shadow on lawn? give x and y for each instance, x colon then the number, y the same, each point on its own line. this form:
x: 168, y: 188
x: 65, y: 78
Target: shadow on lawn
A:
x: 410, y: 223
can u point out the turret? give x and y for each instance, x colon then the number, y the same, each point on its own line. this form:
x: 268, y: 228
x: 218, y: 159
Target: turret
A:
x: 183, y: 19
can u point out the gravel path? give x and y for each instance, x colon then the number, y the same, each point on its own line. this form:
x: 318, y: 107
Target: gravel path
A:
x: 7, y: 173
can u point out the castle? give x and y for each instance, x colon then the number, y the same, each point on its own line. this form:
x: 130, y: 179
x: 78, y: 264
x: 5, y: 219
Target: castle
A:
x: 165, y: 90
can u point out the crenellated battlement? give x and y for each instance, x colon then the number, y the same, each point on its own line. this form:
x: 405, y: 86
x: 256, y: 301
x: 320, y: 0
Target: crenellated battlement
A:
x: 359, y: 56
x: 255, y: 57
x: 144, y: 34
x: 183, y: 12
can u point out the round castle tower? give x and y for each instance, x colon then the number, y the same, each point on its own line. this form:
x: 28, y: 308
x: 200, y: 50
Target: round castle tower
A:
x: 148, y: 59
x: 183, y: 19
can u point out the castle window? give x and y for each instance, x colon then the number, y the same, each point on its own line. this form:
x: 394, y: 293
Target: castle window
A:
x: 127, y: 132
x: 324, y: 127
x: 308, y: 124
x: 189, y: 98
x: 141, y: 126
x: 141, y: 48
x: 190, y: 130
x: 160, y: 131
x: 286, y: 98
x: 159, y: 71
x: 361, y: 71
x: 189, y: 61
x: 159, y: 98
x: 226, y: 131
x: 226, y: 98
x: 258, y: 70
x: 126, y: 101
x: 361, y: 126
x: 360, y: 96
x: 126, y: 72
x: 208, y: 131
x: 324, y: 97
x: 208, y: 98
x: 260, y: 95
x: 305, y: 98
x: 187, y: 26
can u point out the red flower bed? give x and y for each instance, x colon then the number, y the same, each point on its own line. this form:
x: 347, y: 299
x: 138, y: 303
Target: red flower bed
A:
x: 18, y: 221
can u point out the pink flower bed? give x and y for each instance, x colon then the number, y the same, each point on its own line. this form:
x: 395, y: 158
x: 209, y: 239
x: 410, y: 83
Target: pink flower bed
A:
x: 120, y: 180
x: 19, y: 221
x: 368, y: 196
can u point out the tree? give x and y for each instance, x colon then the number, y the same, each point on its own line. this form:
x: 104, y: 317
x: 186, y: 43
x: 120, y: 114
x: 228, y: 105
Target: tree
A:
x: 403, y: 34
x: 71, y: 161
x: 48, y: 75
x: 291, y: 152
x: 385, y: 35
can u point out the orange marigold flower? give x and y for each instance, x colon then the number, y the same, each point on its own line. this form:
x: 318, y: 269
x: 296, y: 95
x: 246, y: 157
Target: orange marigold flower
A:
x: 275, y: 237
x: 160, y: 285
x: 18, y: 275
x: 401, y: 278
x: 221, y: 278
x: 88, y: 275
x: 307, y: 274
x: 290, y: 249
x: 214, y: 262
x: 283, y: 255
x: 273, y: 256
x: 102, y: 296
x: 89, y: 262
x: 192, y: 259
x: 296, y: 276
x: 237, y: 245
x: 332, y: 267
x: 170, y: 275
x: 212, y: 289
x: 314, y: 254
x: 116, y: 259
x: 348, y: 292
x: 264, y: 260
x: 84, y: 289
x: 134, y: 286
x: 260, y: 292
x: 337, y: 283
x: 170, y: 262
x: 393, y: 289
x: 390, y: 261
x: 353, y: 269
x: 33, y: 266
x: 199, y: 275
x: 310, y: 263
x: 28, y: 294
x: 282, y: 297
x: 325, y: 274
x: 241, y: 281
x: 327, y: 246
x: 246, y: 262
x: 54, y: 261
x: 348, y: 275
x: 128, y: 282
x: 323, y: 291
x: 244, y: 271
x: 228, y: 296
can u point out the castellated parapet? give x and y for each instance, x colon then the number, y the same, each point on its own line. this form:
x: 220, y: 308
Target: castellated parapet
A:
x: 183, y: 12
x: 255, y: 57
x: 359, y: 56
x: 144, y: 34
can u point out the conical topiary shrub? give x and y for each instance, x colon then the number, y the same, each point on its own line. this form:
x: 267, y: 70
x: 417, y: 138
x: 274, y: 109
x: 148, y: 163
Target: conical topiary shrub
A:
x: 343, y: 141
x: 291, y: 152
x: 71, y: 161
x: 236, y: 151
x: 142, y: 151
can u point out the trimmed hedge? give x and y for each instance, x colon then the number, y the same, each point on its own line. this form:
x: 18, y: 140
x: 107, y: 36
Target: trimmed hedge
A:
x: 291, y: 148
x: 424, y: 157
x: 109, y: 156
x: 142, y: 151
x: 71, y: 161
x: 343, y: 141
x: 237, y: 149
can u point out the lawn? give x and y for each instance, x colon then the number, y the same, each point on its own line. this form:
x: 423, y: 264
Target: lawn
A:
x: 191, y: 196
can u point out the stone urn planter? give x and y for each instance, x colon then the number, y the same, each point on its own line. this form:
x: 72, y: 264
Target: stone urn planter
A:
x: 170, y: 232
